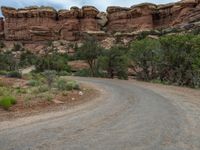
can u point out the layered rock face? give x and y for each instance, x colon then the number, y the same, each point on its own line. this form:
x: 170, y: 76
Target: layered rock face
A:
x: 130, y: 19
x: 45, y: 23
x: 180, y: 13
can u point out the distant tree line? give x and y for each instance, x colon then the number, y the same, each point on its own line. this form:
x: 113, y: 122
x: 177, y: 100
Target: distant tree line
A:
x: 171, y: 59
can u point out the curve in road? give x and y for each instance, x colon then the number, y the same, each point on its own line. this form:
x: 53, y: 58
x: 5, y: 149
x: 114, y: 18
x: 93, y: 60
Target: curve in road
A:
x: 126, y: 117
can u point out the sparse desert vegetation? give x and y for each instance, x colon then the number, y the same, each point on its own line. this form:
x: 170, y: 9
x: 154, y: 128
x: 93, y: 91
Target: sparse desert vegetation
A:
x: 39, y: 92
x: 35, y: 88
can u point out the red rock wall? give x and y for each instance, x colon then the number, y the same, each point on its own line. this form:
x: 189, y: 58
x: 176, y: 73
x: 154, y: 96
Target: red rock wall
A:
x: 47, y: 24
x: 43, y: 23
x: 130, y: 19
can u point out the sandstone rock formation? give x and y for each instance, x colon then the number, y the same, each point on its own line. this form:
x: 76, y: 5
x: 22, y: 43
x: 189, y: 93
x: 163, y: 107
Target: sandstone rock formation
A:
x: 130, y: 19
x: 45, y: 23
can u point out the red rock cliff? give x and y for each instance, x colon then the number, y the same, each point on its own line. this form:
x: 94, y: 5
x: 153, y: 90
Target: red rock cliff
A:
x: 45, y: 23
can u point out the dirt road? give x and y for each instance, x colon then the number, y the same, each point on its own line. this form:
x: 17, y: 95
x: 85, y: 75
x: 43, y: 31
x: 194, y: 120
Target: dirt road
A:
x: 129, y: 115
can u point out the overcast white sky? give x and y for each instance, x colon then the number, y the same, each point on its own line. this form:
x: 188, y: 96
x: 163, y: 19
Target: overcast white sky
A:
x: 60, y: 4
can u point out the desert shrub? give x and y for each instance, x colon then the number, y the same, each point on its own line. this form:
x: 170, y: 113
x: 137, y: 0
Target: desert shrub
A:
x: 17, y: 47
x: 115, y: 62
x: 47, y: 96
x: 41, y: 89
x: 36, y: 76
x: 27, y: 58
x: 72, y: 85
x: 179, y: 59
x: 63, y: 73
x: 7, y: 102
x: 14, y: 74
x: 144, y: 34
x: 62, y: 84
x: 173, y: 59
x: 89, y: 51
x: 1, y: 84
x: 2, y: 90
x: 21, y: 90
x: 83, y: 73
x: 8, y: 61
x: 196, y: 31
x: 5, y: 90
x: 54, y: 61
x: 144, y: 54
x: 67, y: 85
x: 3, y: 72
x: 32, y: 83
x: 50, y: 76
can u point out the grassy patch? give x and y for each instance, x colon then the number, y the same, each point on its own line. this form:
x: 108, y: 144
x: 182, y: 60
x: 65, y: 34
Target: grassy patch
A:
x: 38, y: 89
x: 7, y: 101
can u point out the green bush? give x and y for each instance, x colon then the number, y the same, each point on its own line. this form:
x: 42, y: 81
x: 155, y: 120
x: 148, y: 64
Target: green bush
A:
x: 7, y: 102
x: 14, y: 74
x: 144, y: 54
x: 67, y: 85
x: 173, y: 59
x: 3, y: 90
x: 47, y: 96
x: 180, y: 59
x: 17, y: 47
x: 3, y: 72
x: 32, y: 83
x: 90, y: 51
x: 21, y: 90
x: 27, y: 58
x: 36, y: 76
x: 62, y: 84
x: 8, y: 61
x: 54, y: 61
x: 83, y: 73
x: 50, y: 76
x: 63, y: 73
x: 42, y: 89
x: 115, y: 62
x: 72, y: 85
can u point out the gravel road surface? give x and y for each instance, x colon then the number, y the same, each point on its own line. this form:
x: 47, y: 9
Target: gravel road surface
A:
x: 129, y: 115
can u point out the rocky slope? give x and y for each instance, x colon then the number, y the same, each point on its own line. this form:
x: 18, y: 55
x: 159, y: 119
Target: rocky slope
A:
x: 45, y: 23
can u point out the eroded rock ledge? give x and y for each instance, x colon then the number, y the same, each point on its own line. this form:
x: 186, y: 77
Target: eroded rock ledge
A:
x: 45, y: 23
